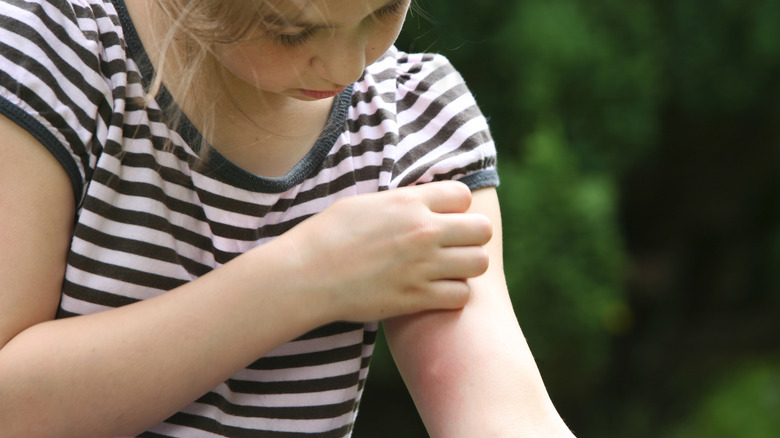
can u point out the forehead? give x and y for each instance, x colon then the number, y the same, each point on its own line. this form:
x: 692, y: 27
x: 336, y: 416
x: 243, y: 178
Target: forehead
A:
x: 321, y: 12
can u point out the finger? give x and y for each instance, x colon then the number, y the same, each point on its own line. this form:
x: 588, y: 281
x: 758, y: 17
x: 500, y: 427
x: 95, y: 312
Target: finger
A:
x: 443, y: 294
x: 466, y: 229
x: 444, y: 196
x: 460, y: 263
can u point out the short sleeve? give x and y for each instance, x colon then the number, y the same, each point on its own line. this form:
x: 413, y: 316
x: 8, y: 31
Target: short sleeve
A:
x: 53, y: 80
x: 443, y: 135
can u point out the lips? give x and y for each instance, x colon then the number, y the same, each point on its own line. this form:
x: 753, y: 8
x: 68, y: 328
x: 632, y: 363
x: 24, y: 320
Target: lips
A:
x: 315, y: 94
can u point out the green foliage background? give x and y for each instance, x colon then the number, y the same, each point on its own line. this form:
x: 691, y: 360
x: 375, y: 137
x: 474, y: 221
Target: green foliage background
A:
x: 639, y: 151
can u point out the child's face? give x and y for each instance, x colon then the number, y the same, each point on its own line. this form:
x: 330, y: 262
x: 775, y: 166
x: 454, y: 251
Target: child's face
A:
x: 314, y: 48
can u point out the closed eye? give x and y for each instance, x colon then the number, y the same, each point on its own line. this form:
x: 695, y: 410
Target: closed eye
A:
x: 293, y: 39
x: 395, y: 8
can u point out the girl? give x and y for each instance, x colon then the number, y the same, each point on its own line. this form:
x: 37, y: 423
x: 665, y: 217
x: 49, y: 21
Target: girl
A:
x: 199, y: 233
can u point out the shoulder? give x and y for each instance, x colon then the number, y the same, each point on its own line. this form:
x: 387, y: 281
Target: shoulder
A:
x: 404, y: 66
x: 62, y: 63
x: 59, y: 42
x: 400, y: 72
x: 58, y: 19
x: 417, y: 85
x: 422, y: 106
x: 81, y: 34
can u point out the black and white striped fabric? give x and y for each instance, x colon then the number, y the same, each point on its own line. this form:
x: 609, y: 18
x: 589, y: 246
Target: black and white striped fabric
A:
x: 150, y: 217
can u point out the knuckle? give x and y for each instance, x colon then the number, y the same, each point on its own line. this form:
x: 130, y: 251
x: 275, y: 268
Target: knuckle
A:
x: 425, y: 232
x: 405, y: 196
x: 420, y: 232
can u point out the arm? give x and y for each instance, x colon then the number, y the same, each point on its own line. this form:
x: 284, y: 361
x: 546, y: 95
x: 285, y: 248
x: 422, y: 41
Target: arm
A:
x: 470, y: 371
x: 115, y: 372
x: 120, y: 371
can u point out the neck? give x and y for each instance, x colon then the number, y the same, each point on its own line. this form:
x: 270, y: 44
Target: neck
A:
x: 264, y: 133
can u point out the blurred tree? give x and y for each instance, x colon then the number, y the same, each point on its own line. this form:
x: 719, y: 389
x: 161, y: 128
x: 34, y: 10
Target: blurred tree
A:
x: 700, y: 214
x: 743, y: 402
x: 565, y: 262
x: 592, y: 65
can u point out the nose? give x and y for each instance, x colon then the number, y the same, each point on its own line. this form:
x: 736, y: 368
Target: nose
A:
x: 341, y: 59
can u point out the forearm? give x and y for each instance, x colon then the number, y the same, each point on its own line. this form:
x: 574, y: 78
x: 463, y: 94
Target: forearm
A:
x: 470, y: 371
x: 120, y: 371
x: 472, y: 376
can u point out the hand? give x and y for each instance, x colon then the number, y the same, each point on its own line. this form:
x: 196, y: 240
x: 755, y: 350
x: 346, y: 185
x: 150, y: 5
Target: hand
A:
x: 402, y: 251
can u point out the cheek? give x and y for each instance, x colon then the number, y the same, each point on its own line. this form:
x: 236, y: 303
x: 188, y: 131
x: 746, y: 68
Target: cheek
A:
x: 382, y: 41
x: 257, y: 65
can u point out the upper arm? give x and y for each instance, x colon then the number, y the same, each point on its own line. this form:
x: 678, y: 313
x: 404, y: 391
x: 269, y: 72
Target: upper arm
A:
x: 470, y: 371
x: 37, y: 208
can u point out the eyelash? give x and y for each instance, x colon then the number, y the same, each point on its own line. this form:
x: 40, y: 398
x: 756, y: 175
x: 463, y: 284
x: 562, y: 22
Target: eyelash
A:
x: 293, y: 40
x: 393, y: 9
x: 299, y: 38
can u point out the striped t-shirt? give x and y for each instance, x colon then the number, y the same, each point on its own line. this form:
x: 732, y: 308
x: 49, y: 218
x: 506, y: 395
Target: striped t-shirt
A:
x: 150, y: 217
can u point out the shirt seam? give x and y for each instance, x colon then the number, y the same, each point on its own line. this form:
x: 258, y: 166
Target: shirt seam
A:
x: 48, y: 140
x: 218, y: 163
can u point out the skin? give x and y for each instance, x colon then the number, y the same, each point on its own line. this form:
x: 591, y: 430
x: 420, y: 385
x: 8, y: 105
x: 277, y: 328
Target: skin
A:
x: 425, y: 253
x: 262, y: 80
x: 334, y: 42
x: 470, y: 372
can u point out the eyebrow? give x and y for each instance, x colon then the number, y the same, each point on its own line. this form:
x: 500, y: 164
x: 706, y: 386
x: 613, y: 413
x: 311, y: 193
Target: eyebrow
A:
x: 279, y: 20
